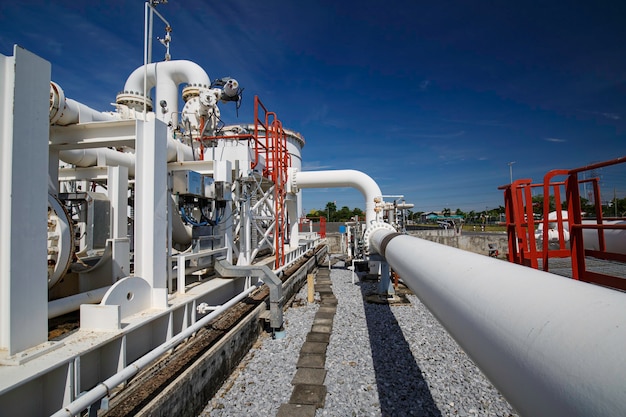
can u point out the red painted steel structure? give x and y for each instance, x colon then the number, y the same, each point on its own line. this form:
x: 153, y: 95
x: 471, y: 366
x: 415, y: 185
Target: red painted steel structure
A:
x: 269, y: 142
x: 520, y: 224
x: 322, y: 225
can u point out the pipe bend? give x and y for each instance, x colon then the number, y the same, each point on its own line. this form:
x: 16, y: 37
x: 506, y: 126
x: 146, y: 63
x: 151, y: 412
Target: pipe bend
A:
x: 179, y: 71
x: 343, y: 178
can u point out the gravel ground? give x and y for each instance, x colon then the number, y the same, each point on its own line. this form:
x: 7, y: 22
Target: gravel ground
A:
x: 381, y: 361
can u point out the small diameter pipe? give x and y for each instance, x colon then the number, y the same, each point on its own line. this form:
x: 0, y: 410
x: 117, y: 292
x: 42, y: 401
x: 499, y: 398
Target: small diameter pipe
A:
x: 551, y: 345
x: 66, y: 305
x: 103, y: 388
x: 343, y: 178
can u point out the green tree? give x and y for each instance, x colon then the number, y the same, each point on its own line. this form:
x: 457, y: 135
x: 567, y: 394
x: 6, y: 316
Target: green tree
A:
x: 315, y: 214
x: 331, y: 209
x: 537, y: 202
x: 344, y: 214
x: 358, y: 212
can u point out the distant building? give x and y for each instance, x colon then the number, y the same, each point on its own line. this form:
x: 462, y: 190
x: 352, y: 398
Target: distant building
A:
x: 434, y: 216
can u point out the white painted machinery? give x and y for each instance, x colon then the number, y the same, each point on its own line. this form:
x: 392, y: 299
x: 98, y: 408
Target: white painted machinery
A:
x: 145, y: 220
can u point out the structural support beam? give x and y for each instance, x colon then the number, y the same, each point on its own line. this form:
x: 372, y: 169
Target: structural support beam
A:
x: 151, y: 203
x: 227, y: 270
x: 553, y: 346
x: 24, y: 106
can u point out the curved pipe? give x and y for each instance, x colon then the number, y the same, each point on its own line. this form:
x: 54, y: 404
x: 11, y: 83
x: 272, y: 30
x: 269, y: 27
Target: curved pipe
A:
x: 343, y: 178
x: 553, y: 346
x: 166, y: 77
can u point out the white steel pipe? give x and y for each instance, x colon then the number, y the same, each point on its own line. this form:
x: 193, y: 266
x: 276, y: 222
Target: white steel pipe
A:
x: 166, y: 77
x: 105, y: 387
x: 65, y: 111
x: 553, y: 346
x: 93, y: 156
x: 66, y: 305
x: 343, y: 178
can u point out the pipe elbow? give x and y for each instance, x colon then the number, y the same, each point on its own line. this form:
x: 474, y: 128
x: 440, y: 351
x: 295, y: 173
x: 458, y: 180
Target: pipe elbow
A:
x: 180, y: 71
x: 343, y: 178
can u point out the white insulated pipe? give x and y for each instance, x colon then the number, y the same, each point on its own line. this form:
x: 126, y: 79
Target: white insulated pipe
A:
x: 343, y: 178
x: 552, y: 346
x: 166, y: 76
x: 92, y: 157
x: 65, y: 111
x: 66, y: 305
x: 110, y: 157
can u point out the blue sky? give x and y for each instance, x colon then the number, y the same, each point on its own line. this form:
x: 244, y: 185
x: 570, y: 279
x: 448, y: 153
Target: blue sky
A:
x: 431, y: 99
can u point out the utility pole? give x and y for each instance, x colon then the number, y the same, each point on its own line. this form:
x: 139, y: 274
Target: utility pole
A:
x: 510, y: 164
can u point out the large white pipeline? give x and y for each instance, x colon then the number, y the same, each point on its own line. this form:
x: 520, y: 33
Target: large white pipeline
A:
x: 614, y: 239
x: 553, y: 346
x: 166, y: 77
x: 343, y: 178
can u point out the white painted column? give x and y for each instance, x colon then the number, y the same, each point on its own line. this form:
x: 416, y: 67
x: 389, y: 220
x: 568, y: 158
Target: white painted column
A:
x: 222, y: 171
x: 24, y: 128
x: 245, y: 230
x: 292, y: 213
x: 118, y: 195
x: 151, y: 208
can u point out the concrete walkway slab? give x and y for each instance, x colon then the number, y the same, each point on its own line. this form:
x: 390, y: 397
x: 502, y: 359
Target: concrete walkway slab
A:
x: 313, y: 347
x: 311, y: 361
x: 324, y: 315
x: 318, y: 337
x: 309, y: 376
x: 322, y: 328
x: 296, y: 410
x: 308, y: 394
x: 327, y: 309
x: 322, y: 322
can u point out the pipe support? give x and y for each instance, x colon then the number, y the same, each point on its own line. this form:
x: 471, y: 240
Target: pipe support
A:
x: 227, y: 270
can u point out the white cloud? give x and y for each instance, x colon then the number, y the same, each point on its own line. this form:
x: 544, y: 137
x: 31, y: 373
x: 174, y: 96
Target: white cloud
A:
x: 555, y: 140
x: 612, y: 116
